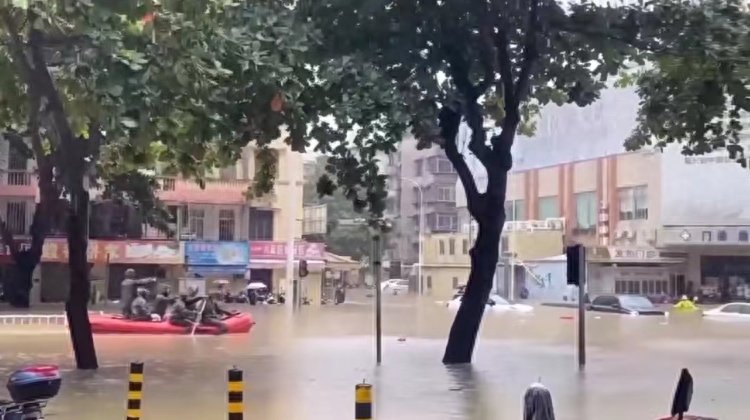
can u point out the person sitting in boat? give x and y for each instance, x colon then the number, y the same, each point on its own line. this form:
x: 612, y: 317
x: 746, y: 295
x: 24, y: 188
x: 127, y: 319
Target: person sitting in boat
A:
x: 213, y: 314
x: 128, y: 290
x: 139, y: 309
x: 162, y: 301
x: 181, y: 314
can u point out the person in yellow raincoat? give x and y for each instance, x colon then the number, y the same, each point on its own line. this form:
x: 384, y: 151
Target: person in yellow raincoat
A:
x: 685, y: 305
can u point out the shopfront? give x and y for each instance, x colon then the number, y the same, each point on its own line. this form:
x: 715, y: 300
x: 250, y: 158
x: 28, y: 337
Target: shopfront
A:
x: 148, y: 258
x: 634, y: 270
x: 210, y: 264
x: 725, y: 278
x: 268, y: 265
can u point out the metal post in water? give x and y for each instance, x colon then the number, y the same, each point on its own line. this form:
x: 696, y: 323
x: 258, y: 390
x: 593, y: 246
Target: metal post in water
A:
x: 582, y: 308
x: 363, y: 401
x: 135, y: 391
x: 376, y: 264
x: 235, y: 389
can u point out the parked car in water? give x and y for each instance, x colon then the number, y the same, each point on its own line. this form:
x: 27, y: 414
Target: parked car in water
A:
x: 736, y: 310
x: 495, y: 304
x: 395, y: 286
x: 624, y: 304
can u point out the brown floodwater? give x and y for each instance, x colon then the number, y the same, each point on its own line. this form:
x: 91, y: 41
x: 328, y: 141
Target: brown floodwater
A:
x: 306, y: 367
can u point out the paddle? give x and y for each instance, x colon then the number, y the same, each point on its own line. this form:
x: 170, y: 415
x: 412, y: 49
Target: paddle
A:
x: 198, y: 318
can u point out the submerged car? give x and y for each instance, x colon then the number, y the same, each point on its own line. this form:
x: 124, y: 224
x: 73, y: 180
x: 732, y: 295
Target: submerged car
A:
x: 736, y: 310
x: 395, y: 286
x: 624, y: 304
x: 495, y: 303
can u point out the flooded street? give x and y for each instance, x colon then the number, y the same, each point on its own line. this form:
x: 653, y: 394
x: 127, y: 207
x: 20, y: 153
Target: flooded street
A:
x: 307, y: 368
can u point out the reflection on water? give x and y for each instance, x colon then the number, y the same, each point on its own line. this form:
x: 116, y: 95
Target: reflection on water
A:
x: 306, y: 368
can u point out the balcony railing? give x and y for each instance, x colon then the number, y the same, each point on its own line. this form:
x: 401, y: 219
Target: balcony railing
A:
x: 17, y: 178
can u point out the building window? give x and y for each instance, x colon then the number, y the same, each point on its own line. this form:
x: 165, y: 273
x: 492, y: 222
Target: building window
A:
x: 515, y: 210
x: 452, y: 246
x: 197, y: 220
x: 418, y: 167
x: 633, y: 203
x: 586, y: 215
x: 706, y: 236
x: 466, y: 246
x: 18, y: 173
x: 548, y: 207
x: 441, y: 165
x: 226, y: 225
x: 260, y: 225
x: 455, y: 282
x: 446, y: 223
x: 15, y: 216
x: 722, y: 236
x: 442, y: 247
x: 743, y: 236
x: 446, y: 193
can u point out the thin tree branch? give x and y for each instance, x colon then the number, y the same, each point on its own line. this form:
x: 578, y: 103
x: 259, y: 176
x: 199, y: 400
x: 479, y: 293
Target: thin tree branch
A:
x: 530, y: 54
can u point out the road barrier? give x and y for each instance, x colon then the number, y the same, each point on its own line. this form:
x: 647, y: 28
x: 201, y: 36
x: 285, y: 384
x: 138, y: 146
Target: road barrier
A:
x: 235, y: 389
x: 363, y: 401
x: 33, y: 319
x: 363, y: 405
x: 135, y: 391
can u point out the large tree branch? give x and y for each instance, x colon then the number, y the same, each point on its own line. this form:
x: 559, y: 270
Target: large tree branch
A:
x: 459, y: 69
x: 506, y: 67
x: 17, y: 47
x: 487, y: 54
x: 450, y: 121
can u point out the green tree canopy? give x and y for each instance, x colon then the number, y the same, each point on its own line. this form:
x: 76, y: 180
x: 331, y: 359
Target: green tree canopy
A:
x: 496, y: 62
x: 111, y: 91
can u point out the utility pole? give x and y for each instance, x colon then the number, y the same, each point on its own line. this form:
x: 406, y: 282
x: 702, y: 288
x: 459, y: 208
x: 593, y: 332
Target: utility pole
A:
x: 377, y: 267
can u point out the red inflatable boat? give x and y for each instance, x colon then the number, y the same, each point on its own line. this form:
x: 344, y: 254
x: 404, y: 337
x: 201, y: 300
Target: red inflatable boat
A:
x: 116, y: 324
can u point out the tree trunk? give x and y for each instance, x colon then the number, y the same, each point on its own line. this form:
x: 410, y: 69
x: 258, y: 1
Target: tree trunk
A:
x: 80, y: 287
x: 18, y: 290
x: 25, y: 260
x: 484, y: 257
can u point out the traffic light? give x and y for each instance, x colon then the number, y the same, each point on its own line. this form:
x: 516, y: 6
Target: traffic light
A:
x: 575, y: 264
x: 303, y: 272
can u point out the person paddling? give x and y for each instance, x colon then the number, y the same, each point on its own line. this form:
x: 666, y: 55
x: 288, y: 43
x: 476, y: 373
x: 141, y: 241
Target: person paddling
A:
x: 128, y: 290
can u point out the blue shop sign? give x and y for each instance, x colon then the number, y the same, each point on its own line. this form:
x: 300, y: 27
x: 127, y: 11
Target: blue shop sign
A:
x: 217, y: 253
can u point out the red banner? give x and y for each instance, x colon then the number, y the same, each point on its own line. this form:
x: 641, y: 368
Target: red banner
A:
x: 271, y: 250
x: 120, y: 252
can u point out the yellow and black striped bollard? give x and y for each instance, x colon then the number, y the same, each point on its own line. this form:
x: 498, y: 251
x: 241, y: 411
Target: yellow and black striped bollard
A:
x: 363, y: 401
x: 135, y: 391
x: 235, y: 389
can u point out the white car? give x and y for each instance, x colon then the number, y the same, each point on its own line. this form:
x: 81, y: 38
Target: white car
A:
x: 395, y: 286
x: 495, y: 304
x: 736, y: 310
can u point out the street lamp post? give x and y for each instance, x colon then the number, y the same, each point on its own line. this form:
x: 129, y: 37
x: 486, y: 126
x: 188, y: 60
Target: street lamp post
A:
x: 421, y: 231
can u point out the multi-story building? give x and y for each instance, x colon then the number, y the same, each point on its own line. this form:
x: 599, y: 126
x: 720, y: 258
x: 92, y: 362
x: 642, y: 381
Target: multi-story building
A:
x: 421, y: 182
x: 218, y: 233
x: 654, y: 222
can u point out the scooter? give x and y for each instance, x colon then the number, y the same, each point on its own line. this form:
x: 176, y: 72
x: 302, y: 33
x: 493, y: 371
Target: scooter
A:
x: 30, y: 390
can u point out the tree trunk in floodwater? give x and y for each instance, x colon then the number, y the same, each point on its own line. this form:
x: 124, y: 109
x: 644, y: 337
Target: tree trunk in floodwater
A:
x: 484, y: 257
x: 18, y: 289
x: 76, y: 307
